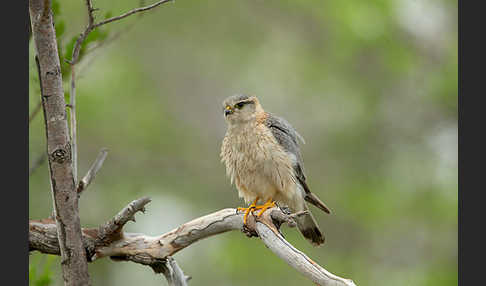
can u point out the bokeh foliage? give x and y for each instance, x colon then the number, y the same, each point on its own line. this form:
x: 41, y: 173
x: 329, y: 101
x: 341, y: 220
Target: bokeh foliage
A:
x: 372, y: 86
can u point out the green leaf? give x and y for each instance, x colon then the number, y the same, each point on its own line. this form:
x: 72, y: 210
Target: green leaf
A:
x: 108, y: 15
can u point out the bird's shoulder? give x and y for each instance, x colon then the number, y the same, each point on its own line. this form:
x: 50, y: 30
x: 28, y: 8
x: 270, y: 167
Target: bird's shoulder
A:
x: 285, y: 134
x: 288, y: 137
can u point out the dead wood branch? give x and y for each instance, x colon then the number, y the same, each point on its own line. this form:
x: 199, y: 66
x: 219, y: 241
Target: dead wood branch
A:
x: 111, y: 230
x: 172, y: 272
x: 154, y: 250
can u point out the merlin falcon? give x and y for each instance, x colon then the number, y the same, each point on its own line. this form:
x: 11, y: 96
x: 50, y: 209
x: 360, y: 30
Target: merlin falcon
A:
x: 262, y: 157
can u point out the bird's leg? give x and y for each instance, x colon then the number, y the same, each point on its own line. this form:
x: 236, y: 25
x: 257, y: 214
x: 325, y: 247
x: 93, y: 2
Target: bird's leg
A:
x: 269, y: 204
x: 247, y: 210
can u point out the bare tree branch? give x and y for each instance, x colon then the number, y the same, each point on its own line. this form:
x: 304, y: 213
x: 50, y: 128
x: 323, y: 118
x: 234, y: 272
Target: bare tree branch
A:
x: 172, y: 272
x: 131, y: 12
x: 153, y: 251
x: 272, y: 238
x: 111, y: 230
x: 93, y: 170
x: 84, y: 34
x: 74, y: 264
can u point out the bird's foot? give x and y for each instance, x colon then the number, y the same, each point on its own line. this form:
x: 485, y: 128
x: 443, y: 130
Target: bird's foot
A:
x: 269, y: 204
x: 249, y: 209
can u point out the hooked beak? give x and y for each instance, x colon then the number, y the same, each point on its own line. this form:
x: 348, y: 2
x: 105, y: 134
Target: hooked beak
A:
x: 228, y: 110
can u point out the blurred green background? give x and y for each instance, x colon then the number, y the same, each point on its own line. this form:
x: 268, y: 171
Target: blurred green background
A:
x: 371, y: 85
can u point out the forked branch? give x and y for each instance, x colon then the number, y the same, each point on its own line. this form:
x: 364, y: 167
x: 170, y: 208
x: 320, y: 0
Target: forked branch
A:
x: 155, y: 251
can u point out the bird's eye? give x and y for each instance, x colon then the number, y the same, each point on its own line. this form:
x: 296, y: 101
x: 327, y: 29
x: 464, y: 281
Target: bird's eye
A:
x: 239, y: 105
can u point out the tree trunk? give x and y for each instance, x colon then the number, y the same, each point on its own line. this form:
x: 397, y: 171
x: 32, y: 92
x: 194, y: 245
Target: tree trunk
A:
x: 63, y: 187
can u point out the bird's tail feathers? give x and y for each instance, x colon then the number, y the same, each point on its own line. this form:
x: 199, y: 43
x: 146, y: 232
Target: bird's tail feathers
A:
x: 309, y: 229
x: 313, y: 199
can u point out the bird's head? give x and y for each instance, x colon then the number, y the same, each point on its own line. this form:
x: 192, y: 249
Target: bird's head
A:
x: 238, y: 109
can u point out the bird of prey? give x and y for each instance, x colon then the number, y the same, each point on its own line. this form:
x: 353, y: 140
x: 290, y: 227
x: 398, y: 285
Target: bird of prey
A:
x: 262, y: 157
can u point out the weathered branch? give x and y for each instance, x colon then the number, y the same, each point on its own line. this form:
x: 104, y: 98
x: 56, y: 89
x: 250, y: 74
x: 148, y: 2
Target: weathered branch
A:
x: 93, y: 170
x: 111, y: 230
x: 74, y: 264
x: 172, y: 272
x: 293, y: 257
x: 154, y: 251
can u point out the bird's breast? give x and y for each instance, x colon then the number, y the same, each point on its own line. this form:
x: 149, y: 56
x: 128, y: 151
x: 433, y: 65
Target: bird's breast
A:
x: 255, y: 162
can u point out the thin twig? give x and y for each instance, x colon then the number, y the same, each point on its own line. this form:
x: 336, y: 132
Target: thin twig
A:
x: 84, y: 34
x: 37, y: 163
x: 35, y: 111
x: 93, y: 170
x: 72, y: 105
x: 131, y: 12
x: 72, y: 95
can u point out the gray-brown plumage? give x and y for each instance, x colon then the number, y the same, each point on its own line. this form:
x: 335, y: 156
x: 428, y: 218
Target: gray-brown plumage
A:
x: 262, y: 157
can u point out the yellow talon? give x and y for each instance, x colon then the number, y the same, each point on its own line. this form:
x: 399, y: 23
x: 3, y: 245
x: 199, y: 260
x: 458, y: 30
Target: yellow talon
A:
x: 247, y: 210
x: 269, y: 204
x: 253, y: 207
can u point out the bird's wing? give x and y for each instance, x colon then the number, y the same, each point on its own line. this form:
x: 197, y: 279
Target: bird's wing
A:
x: 288, y: 138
